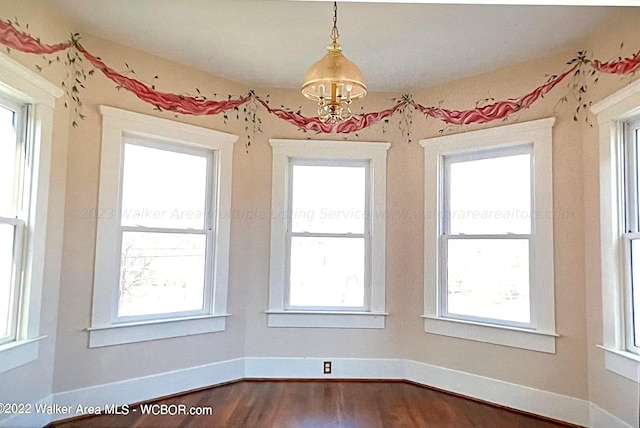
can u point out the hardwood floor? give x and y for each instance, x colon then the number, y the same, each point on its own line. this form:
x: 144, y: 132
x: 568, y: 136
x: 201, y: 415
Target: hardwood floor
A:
x: 318, y: 404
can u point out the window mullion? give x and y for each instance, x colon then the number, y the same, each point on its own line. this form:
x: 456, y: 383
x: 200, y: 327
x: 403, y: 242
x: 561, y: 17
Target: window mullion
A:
x: 489, y: 236
x: 631, y: 180
x: 328, y: 235
x: 17, y: 329
x: 144, y: 229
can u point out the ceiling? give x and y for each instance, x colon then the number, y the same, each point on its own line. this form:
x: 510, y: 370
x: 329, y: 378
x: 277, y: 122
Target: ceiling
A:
x: 398, y: 46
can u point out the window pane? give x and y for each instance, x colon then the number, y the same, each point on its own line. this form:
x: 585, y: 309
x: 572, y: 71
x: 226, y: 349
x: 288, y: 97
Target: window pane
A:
x: 489, y: 278
x: 6, y: 283
x: 635, y: 291
x: 7, y: 163
x: 490, y: 196
x: 327, y: 272
x: 328, y: 199
x: 161, y: 273
x: 162, y: 188
x: 632, y: 169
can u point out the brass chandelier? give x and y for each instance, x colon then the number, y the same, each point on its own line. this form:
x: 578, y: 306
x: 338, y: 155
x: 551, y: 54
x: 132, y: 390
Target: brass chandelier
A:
x: 334, y: 82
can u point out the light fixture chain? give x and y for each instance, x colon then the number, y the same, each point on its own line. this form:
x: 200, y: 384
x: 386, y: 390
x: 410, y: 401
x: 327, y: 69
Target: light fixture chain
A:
x: 334, y: 31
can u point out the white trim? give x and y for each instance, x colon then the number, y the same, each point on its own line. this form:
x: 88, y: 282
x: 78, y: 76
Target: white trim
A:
x: 531, y: 400
x: 537, y: 133
x: 599, y: 418
x: 620, y: 103
x: 21, y: 84
x: 153, y: 330
x: 30, y: 420
x: 116, y: 123
x: 376, y: 155
x: 17, y: 81
x: 149, y: 387
x: 623, y: 363
x: 499, y: 136
x: 512, y: 2
x: 328, y: 319
x: 18, y: 353
x: 534, y: 340
x: 312, y: 368
x: 611, y: 113
x: 167, y: 129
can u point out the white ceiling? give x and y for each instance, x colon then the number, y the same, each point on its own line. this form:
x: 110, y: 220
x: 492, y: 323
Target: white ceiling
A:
x: 271, y: 43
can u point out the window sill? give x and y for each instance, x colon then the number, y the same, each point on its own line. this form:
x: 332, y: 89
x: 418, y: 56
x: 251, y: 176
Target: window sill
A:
x: 18, y: 353
x: 499, y: 335
x: 326, y: 319
x: 623, y: 363
x: 118, y: 334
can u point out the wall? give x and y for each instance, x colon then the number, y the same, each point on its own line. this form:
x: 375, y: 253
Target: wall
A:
x: 76, y: 365
x: 33, y: 381
x: 611, y: 392
x: 576, y: 252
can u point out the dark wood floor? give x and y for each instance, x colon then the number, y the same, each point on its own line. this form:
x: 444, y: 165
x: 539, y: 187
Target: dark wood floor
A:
x: 307, y: 404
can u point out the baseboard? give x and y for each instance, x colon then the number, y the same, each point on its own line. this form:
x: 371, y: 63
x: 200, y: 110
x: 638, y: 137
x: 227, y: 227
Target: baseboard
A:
x: 530, y: 400
x: 526, y: 399
x: 150, y: 387
x: 33, y: 419
x: 600, y: 418
x: 312, y: 368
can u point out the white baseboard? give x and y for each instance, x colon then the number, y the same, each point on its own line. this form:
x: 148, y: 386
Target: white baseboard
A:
x: 33, y: 419
x: 312, y: 368
x: 531, y: 400
x: 600, y: 418
x: 146, y: 388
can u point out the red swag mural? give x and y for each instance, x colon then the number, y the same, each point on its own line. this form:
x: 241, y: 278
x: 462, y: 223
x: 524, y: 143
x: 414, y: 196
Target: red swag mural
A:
x: 23, y: 42
x: 164, y: 100
x: 621, y: 66
x: 13, y: 38
x: 495, y: 111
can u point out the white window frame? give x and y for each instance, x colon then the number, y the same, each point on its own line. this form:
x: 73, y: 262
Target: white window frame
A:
x: 612, y: 112
x: 208, y: 228
x: 22, y: 85
x: 632, y: 216
x: 21, y: 205
x: 446, y: 236
x: 285, y: 154
x: 106, y: 328
x: 540, y: 334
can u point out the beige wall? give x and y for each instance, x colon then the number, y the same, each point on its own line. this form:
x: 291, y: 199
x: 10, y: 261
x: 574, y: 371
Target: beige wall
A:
x: 576, y: 252
x: 33, y: 381
x: 614, y: 393
x: 76, y: 365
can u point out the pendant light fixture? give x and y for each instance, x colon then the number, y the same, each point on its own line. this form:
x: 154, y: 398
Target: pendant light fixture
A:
x: 334, y: 82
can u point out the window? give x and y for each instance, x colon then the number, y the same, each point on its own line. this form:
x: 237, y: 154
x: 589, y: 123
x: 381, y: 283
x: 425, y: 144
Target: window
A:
x: 328, y: 234
x: 618, y: 123
x: 166, y: 237
x: 489, y: 236
x: 27, y: 103
x: 13, y: 214
x: 631, y: 235
x: 163, y: 241
x: 486, y: 236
